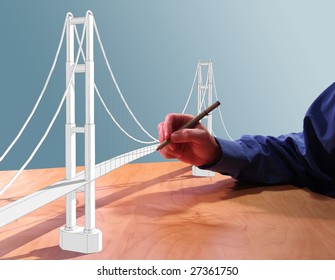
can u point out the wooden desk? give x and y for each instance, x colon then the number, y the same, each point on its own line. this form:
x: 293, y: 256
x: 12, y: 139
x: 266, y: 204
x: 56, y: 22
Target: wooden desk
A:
x: 160, y: 211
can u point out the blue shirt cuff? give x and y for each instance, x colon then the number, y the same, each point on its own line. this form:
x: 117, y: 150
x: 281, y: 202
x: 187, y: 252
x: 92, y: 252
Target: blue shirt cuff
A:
x: 233, y: 158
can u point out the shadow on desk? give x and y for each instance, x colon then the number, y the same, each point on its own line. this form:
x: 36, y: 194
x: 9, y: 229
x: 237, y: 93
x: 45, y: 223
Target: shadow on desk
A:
x: 160, y: 211
x: 33, y: 231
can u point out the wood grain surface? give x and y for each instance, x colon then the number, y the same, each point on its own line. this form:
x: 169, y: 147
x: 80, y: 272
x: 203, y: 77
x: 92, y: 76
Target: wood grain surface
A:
x: 160, y: 211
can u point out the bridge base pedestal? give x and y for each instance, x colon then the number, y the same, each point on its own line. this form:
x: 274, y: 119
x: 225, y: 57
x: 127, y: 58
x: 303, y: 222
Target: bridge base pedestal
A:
x: 78, y: 240
x: 200, y: 172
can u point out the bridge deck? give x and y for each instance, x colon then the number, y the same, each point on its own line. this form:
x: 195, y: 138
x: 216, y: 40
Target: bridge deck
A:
x: 29, y: 203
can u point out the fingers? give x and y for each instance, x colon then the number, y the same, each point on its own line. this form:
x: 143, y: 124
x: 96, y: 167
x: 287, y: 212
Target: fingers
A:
x: 171, y: 123
x: 175, y: 121
x: 197, y: 136
x: 168, y: 153
x: 194, y: 146
x: 161, y: 133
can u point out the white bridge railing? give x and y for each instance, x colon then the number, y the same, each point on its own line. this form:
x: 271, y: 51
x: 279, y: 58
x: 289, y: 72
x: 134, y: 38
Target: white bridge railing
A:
x: 29, y: 203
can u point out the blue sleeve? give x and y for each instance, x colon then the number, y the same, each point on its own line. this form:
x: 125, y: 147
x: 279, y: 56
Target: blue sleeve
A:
x: 305, y: 159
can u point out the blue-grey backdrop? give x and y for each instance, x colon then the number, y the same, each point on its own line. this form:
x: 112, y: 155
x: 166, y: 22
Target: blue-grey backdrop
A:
x: 271, y: 59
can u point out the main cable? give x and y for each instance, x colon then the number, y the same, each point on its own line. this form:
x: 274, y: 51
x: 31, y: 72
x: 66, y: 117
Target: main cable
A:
x: 220, y: 113
x: 53, y: 119
x: 191, y: 92
x: 116, y: 84
x: 108, y: 111
x: 41, y: 94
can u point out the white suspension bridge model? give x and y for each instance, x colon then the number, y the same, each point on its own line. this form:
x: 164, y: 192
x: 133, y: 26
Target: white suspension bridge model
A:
x: 87, y: 239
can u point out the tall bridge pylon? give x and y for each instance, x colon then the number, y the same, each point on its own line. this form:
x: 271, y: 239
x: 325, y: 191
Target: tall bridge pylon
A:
x: 87, y: 239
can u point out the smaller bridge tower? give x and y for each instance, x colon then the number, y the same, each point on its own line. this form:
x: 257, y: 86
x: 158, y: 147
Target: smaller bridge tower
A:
x: 205, y: 94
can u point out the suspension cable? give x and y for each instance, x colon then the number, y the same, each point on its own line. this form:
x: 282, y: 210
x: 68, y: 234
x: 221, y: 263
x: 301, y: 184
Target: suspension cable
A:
x: 106, y: 108
x: 53, y: 119
x: 118, y: 125
x: 220, y: 113
x: 41, y: 94
x: 116, y: 84
x: 191, y: 92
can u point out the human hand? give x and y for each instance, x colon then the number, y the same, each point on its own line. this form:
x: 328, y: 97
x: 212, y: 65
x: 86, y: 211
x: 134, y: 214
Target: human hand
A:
x: 195, y: 146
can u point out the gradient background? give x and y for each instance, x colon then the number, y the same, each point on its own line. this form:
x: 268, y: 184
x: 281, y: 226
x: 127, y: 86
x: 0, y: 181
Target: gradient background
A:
x: 271, y: 59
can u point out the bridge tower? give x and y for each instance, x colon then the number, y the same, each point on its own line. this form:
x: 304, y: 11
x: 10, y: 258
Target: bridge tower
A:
x: 204, y: 90
x: 87, y: 239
